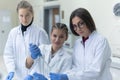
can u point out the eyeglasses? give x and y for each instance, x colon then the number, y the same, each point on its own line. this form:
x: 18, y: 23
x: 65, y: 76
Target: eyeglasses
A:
x: 79, y: 25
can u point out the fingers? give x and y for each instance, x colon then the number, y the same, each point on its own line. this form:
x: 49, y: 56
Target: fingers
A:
x: 34, y: 48
x: 30, y: 44
x: 10, y: 76
x: 52, y: 73
x: 53, y: 76
x: 37, y: 76
x: 7, y: 78
x: 35, y: 51
x: 28, y: 77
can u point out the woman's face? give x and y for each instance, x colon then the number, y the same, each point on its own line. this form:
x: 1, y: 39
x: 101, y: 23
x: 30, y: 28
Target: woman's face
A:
x: 25, y: 16
x: 80, y: 27
x: 58, y: 36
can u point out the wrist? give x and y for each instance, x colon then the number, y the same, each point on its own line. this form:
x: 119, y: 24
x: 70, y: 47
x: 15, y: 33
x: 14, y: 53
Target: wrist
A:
x: 33, y: 57
x: 29, y: 62
x: 65, y: 77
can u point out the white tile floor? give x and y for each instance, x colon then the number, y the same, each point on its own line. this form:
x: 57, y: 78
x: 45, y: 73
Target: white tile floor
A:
x: 115, y: 72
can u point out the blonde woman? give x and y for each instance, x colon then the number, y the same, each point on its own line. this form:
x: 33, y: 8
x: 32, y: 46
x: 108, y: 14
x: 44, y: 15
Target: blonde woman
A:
x: 17, y: 45
x: 56, y: 57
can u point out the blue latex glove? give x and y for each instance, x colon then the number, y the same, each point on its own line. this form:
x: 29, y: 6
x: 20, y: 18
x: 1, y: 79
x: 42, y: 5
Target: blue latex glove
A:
x: 28, y: 77
x: 35, y: 51
x: 55, y: 76
x: 38, y: 76
x: 10, y: 76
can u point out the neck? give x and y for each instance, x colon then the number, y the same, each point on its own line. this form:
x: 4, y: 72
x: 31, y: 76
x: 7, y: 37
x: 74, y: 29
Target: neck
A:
x: 54, y: 50
x: 23, y: 28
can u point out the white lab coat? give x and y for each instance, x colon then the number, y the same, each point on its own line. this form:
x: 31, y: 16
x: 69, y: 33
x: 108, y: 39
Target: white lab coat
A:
x: 91, y: 62
x: 17, y: 48
x: 61, y: 62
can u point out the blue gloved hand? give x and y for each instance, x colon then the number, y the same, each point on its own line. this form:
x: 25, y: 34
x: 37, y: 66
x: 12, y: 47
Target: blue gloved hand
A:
x: 38, y: 76
x: 55, y: 76
x: 28, y: 77
x: 35, y: 51
x: 10, y: 76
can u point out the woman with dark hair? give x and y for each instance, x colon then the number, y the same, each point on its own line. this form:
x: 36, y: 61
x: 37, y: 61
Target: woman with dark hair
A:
x: 17, y: 45
x: 85, y: 17
x: 91, y: 54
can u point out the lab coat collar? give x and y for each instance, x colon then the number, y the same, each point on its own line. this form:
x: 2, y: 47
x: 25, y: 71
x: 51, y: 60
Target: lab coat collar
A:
x: 59, y: 52
x: 47, y: 56
x: 19, y: 28
x: 57, y: 57
x: 90, y: 36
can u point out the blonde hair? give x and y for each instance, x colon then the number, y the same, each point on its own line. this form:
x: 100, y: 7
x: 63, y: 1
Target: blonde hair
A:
x: 25, y: 4
x: 60, y: 26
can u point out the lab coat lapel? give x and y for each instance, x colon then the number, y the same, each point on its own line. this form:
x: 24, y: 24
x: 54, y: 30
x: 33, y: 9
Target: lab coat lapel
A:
x: 56, y: 58
x: 47, y: 56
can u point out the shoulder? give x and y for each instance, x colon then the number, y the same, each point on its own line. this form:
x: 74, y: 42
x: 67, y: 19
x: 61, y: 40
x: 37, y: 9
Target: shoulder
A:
x: 96, y: 37
x: 37, y: 28
x: 14, y: 30
x: 99, y: 37
x: 45, y: 48
x: 99, y: 40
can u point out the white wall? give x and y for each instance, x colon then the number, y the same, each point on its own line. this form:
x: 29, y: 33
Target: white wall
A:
x: 10, y: 6
x: 8, y: 19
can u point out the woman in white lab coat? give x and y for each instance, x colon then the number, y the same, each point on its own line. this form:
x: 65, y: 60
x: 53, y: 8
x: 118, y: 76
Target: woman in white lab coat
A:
x: 17, y: 45
x: 91, y: 54
x: 55, y: 58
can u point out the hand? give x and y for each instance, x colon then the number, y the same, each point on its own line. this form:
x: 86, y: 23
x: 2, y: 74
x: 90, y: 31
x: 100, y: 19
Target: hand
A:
x: 35, y: 51
x: 10, y: 76
x: 28, y: 77
x: 38, y: 76
x: 55, y: 76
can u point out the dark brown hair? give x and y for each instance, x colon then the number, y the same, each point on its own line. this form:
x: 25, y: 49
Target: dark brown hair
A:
x: 85, y: 16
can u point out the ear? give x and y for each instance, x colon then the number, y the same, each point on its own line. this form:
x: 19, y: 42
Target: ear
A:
x: 66, y: 38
